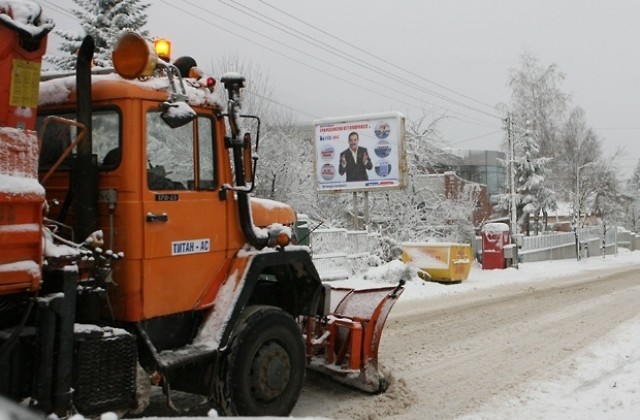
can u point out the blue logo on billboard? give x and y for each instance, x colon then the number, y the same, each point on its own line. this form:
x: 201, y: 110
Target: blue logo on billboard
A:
x: 382, y: 130
x: 383, y: 169
x: 383, y: 149
x: 325, y: 137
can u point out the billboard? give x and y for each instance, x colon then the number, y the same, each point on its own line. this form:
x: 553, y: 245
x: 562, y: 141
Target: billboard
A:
x: 360, y: 153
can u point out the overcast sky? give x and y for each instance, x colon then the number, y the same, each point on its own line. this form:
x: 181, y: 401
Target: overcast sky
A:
x: 446, y: 57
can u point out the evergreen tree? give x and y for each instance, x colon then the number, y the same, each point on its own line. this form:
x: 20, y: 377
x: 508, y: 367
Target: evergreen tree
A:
x: 535, y: 197
x: 537, y: 106
x: 104, y: 20
x: 633, y: 189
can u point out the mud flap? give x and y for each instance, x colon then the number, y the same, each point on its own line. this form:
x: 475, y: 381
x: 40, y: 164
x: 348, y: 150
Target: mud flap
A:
x: 345, y: 344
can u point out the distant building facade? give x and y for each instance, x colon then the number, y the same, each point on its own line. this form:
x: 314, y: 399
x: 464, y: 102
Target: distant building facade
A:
x: 484, y: 167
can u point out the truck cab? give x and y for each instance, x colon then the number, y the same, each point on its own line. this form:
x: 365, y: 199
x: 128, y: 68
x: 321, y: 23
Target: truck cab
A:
x: 158, y: 195
x: 167, y: 183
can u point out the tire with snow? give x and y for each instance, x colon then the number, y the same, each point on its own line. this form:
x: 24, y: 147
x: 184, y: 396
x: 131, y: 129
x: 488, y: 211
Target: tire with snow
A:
x: 263, y: 369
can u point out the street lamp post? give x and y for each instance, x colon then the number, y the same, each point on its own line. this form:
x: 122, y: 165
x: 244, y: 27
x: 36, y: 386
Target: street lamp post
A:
x: 576, y: 211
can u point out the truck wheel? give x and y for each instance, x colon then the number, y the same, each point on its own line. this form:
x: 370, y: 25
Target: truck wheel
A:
x: 263, y: 369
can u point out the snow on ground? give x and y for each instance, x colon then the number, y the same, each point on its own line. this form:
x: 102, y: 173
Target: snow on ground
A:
x: 417, y: 289
x: 606, y: 385
x: 606, y: 382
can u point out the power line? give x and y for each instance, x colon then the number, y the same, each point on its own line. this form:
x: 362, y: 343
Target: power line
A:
x: 375, y: 56
x: 300, y: 62
x: 313, y: 117
x: 59, y: 9
x: 346, y: 56
x: 302, y: 52
x: 476, y: 137
x: 282, y: 54
x: 376, y: 92
x: 65, y: 11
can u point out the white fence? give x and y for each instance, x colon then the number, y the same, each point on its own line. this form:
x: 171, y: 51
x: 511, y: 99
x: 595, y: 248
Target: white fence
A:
x: 327, y: 241
x: 591, y: 241
x: 339, y: 253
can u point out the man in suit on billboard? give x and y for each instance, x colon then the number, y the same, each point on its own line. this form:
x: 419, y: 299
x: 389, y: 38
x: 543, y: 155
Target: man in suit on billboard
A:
x: 355, y: 161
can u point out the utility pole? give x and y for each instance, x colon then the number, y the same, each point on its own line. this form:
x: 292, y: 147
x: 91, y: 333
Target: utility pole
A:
x: 577, y: 205
x: 512, y: 177
x: 576, y: 212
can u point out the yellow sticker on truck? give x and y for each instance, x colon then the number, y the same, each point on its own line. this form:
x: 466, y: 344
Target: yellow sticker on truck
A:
x: 25, y: 82
x: 194, y: 246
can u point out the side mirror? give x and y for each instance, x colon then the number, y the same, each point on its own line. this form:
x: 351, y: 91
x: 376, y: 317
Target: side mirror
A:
x: 177, y: 114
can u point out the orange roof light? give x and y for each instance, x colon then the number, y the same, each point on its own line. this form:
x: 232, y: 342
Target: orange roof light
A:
x: 163, y: 49
x: 134, y: 57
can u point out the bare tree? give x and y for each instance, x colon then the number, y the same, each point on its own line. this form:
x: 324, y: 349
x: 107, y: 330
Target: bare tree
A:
x: 579, y: 147
x: 423, y: 142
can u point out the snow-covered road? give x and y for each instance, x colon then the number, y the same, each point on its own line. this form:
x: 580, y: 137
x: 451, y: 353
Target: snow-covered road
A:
x: 555, y: 339
x: 507, y: 344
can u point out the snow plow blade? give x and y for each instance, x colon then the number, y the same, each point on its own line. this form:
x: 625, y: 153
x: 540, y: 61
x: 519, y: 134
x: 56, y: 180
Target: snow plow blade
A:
x: 344, y: 345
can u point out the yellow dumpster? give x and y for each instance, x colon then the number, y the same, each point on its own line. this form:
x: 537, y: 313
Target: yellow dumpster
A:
x: 441, y: 262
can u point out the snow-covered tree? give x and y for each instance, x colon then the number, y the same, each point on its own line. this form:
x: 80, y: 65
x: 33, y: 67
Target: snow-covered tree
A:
x: 104, y: 20
x: 285, y: 167
x: 633, y: 189
x: 536, y: 197
x: 579, y: 148
x: 606, y: 202
x: 425, y: 209
x: 538, y: 101
x: 423, y: 143
x: 532, y: 195
x: 537, y: 108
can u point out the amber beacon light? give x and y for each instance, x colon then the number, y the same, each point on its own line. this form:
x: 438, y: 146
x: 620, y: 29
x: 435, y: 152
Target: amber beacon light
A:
x: 133, y: 56
x: 163, y: 48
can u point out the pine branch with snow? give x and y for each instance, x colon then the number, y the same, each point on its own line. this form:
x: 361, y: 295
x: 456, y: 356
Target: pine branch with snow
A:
x: 104, y: 20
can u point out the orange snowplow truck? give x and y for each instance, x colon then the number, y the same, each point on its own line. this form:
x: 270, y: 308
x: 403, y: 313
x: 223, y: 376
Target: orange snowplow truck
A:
x: 132, y: 254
